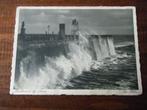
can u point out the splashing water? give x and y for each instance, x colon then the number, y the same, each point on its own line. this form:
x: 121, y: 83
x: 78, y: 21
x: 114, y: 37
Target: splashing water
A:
x: 57, y: 71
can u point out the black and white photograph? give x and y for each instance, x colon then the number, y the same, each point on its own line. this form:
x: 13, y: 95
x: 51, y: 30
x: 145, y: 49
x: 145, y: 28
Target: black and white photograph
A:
x: 75, y: 51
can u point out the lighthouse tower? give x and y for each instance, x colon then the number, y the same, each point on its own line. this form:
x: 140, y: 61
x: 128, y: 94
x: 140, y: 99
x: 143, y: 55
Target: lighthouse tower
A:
x: 22, y: 31
x: 23, y: 28
x: 75, y: 27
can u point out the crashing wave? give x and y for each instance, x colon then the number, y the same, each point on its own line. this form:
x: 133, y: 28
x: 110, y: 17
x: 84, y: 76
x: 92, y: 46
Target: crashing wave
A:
x: 57, y: 71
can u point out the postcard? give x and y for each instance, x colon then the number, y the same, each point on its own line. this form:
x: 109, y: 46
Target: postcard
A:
x: 75, y: 51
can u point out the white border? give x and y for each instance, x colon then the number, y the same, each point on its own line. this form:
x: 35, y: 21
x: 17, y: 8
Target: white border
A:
x: 76, y: 92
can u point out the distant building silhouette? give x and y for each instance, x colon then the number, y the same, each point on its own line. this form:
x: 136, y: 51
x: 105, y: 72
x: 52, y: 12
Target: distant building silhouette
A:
x: 62, y: 31
x: 75, y: 27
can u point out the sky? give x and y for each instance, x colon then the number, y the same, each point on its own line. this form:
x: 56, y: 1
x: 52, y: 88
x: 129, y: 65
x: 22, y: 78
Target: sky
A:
x: 91, y: 21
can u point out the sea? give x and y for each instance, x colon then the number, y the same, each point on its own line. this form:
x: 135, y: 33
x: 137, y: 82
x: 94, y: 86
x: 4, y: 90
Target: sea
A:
x: 117, y: 73
x: 78, y: 70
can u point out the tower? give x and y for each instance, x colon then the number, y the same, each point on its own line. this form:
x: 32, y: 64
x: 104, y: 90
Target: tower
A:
x: 22, y: 28
x: 22, y: 31
x: 21, y: 36
x: 75, y: 27
x: 61, y: 31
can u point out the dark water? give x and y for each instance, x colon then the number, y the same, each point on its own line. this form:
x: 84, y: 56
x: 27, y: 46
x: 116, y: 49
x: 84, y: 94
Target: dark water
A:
x: 115, y: 73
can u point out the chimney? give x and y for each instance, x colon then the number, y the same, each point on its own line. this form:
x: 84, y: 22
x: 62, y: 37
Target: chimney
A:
x: 62, y: 31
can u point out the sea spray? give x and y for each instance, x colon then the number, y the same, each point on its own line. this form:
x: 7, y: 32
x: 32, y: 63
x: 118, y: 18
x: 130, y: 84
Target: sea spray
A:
x: 57, y: 71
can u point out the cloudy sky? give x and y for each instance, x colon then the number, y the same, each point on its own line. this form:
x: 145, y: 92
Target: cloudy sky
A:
x: 91, y: 21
